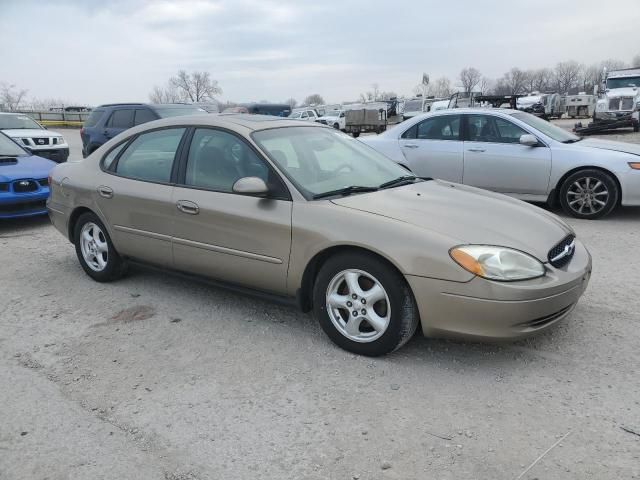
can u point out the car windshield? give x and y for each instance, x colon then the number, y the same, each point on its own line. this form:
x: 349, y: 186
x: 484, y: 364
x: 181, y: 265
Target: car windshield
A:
x: 321, y: 160
x: 623, y: 82
x: 413, y: 106
x: 16, y: 122
x: 8, y: 148
x: 547, y: 128
x: 165, y: 112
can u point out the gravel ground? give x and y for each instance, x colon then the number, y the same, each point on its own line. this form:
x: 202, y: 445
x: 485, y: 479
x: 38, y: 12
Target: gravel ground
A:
x: 156, y: 377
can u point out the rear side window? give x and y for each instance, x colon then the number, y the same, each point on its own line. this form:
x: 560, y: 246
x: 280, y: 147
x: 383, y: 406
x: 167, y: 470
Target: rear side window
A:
x: 111, y: 156
x: 150, y: 156
x: 121, y: 119
x: 144, y: 115
x: 93, y: 118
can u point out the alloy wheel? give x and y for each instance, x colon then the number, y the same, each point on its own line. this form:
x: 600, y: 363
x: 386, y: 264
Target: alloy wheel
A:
x: 587, y: 196
x: 358, y: 305
x: 94, y: 247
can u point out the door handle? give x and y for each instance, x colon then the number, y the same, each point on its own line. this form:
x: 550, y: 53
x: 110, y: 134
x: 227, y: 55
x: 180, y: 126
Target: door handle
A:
x: 185, y: 206
x: 476, y: 150
x: 410, y: 145
x: 104, y: 191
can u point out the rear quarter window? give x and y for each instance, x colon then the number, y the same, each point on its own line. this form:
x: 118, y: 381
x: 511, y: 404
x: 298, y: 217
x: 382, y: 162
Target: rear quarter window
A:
x: 93, y: 118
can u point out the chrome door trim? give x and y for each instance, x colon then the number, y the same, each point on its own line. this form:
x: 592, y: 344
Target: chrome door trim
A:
x: 142, y: 233
x: 229, y: 251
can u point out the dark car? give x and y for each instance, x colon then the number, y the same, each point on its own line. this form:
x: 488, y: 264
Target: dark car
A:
x: 107, y: 121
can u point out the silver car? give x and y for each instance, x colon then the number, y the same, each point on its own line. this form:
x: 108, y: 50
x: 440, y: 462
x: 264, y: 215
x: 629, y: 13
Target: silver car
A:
x: 306, y: 213
x: 517, y: 154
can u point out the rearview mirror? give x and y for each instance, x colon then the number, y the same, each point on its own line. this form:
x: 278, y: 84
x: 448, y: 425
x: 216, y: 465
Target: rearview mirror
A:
x: 250, y: 186
x: 528, y: 140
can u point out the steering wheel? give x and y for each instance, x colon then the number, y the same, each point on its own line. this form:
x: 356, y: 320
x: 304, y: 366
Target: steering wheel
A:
x: 343, y: 166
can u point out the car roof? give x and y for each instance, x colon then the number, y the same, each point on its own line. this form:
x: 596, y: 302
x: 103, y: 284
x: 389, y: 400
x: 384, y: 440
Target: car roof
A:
x: 233, y: 121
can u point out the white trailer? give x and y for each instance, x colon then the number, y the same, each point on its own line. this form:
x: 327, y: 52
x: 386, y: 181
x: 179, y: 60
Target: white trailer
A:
x: 581, y: 105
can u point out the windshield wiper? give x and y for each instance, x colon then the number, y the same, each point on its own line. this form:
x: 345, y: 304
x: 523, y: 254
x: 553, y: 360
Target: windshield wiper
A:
x: 345, y: 191
x: 396, y: 182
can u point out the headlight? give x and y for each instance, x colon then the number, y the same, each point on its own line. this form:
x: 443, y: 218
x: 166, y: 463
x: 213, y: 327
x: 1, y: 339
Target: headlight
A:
x: 60, y: 140
x: 497, y: 263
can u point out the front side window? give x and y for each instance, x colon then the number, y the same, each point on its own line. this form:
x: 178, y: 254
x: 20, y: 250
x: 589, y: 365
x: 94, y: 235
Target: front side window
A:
x: 121, y: 119
x: 320, y: 160
x: 150, y: 156
x: 487, y: 128
x: 218, y: 159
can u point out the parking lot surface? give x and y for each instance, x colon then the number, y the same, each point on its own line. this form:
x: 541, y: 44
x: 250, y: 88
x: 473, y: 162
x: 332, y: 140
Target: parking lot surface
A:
x: 157, y: 377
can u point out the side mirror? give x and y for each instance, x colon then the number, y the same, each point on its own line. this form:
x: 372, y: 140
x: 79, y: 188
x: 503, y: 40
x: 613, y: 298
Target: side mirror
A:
x: 250, y: 186
x: 528, y: 140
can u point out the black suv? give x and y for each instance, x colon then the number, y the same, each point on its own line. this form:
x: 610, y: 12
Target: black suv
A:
x: 107, y: 121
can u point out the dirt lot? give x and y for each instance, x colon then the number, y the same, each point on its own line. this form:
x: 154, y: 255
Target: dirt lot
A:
x: 156, y: 377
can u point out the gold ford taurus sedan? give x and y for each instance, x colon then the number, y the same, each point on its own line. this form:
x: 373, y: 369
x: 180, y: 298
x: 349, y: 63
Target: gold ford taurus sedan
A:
x: 306, y: 213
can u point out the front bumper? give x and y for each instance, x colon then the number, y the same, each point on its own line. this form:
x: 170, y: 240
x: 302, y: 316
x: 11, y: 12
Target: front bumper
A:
x: 58, y: 155
x: 24, y: 204
x: 489, y: 310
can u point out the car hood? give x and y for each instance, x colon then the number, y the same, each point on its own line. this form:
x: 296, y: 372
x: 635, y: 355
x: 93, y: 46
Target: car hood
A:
x: 632, y: 148
x: 25, y: 167
x: 467, y: 215
x: 29, y: 132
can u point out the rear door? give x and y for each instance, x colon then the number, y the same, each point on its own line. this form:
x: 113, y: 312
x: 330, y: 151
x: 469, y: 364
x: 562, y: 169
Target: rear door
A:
x: 433, y: 147
x: 134, y: 194
x: 494, y: 158
x: 120, y: 120
x: 241, y: 239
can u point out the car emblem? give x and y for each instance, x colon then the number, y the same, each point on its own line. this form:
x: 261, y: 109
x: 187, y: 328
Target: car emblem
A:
x: 40, y: 141
x: 566, y: 252
x: 23, y: 183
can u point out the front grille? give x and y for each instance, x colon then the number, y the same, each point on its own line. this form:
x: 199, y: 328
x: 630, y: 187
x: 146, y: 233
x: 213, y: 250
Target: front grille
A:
x: 542, y: 321
x: 614, y: 104
x: 41, y: 141
x: 627, y: 103
x: 23, y: 207
x: 24, y: 186
x: 562, y: 253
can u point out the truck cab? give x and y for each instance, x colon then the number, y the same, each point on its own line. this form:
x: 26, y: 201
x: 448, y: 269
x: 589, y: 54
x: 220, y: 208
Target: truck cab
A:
x: 619, y: 98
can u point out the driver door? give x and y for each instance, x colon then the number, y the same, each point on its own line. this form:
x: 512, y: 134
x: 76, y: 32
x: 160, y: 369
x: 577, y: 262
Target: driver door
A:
x: 236, y: 238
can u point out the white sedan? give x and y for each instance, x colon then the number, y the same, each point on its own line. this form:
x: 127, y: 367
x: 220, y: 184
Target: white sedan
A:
x: 517, y: 154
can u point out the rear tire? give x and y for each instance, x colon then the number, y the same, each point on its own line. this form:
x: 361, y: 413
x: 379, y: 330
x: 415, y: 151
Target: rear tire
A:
x: 589, y: 194
x: 95, y: 251
x: 364, y: 305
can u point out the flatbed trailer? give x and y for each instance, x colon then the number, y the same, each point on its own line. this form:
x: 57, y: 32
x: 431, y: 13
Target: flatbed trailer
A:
x: 602, y: 126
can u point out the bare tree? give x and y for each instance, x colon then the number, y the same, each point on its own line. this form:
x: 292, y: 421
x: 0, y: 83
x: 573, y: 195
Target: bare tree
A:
x: 375, y: 91
x: 314, y: 99
x: 543, y: 78
x: 512, y: 83
x: 612, y: 64
x: 196, y: 87
x: 591, y: 75
x: 168, y: 94
x: 635, y: 61
x: 47, y: 103
x: 292, y: 102
x: 440, y: 88
x: 470, y: 77
x: 11, y: 97
x: 485, y: 85
x: 567, y: 75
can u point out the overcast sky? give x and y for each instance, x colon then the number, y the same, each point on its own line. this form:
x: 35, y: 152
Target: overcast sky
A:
x: 92, y: 52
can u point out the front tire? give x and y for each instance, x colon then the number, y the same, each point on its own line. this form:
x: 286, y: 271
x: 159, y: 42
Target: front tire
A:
x: 364, y: 305
x: 95, y: 251
x: 589, y: 194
